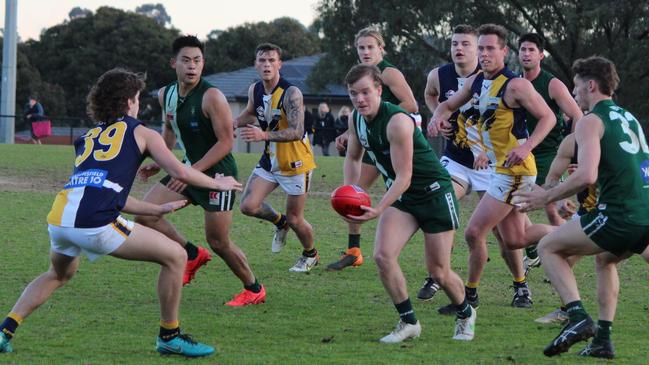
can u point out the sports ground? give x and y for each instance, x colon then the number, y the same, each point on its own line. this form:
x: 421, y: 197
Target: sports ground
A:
x: 109, y: 312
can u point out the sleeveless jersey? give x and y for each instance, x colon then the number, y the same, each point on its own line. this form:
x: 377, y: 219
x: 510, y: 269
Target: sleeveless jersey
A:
x: 387, y: 94
x: 501, y: 127
x: 623, y: 172
x: 286, y: 158
x: 551, y: 142
x: 587, y: 198
x: 108, y: 158
x: 457, y: 148
x: 193, y: 130
x: 429, y: 178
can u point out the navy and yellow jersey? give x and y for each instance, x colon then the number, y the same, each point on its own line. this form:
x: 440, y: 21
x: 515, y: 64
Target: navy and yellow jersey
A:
x: 623, y: 171
x: 386, y: 94
x: 587, y: 198
x: 194, y: 132
x: 458, y: 148
x: 501, y: 128
x: 285, y: 158
x: 429, y: 177
x: 107, y: 161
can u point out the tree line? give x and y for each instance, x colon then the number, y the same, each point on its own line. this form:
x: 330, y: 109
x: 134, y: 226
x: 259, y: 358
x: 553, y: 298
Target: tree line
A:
x: 61, y: 66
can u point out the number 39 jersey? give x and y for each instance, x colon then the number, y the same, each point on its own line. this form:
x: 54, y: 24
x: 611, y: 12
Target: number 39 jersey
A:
x: 107, y: 161
x: 623, y: 174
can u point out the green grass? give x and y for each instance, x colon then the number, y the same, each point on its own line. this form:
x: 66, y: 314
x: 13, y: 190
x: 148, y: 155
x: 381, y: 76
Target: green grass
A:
x: 108, y: 313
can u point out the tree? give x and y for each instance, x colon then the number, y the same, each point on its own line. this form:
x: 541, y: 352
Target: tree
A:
x: 73, y: 54
x: 417, y: 34
x: 78, y: 12
x: 233, y: 48
x: 156, y: 12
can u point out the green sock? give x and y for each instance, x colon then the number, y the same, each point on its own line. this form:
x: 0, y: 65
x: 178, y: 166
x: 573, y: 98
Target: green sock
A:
x: 531, y: 252
x: 192, y: 251
x: 576, y: 311
x: 463, y: 310
x: 604, y: 329
x: 354, y: 240
x: 254, y: 287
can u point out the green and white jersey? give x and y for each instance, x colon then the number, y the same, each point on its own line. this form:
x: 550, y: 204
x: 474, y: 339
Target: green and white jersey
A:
x: 429, y: 178
x: 193, y: 130
x: 623, y: 172
x: 551, y: 142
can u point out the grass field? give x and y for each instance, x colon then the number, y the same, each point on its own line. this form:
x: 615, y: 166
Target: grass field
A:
x: 109, y: 313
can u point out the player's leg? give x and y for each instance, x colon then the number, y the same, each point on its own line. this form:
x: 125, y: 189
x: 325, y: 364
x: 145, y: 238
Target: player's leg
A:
x: 145, y: 244
x: 393, y: 231
x: 61, y: 270
x: 260, y: 184
x: 353, y: 255
x: 304, y: 232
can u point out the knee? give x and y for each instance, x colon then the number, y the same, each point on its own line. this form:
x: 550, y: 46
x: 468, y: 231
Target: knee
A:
x: 293, y: 220
x: 176, y: 257
x: 472, y: 237
x: 247, y: 208
x: 62, y: 277
x: 382, y: 260
x: 544, y: 247
x: 219, y: 244
x: 514, y: 243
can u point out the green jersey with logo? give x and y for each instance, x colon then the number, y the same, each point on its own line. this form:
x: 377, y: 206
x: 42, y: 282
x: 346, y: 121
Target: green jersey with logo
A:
x: 387, y: 94
x: 429, y: 178
x: 551, y: 142
x: 623, y: 173
x: 193, y: 129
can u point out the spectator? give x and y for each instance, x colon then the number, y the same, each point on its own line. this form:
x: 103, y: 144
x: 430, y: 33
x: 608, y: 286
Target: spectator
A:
x: 308, y: 124
x: 34, y: 112
x: 341, y: 124
x: 324, y: 129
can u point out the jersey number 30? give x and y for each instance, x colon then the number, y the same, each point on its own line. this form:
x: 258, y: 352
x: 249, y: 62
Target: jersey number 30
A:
x: 111, y: 139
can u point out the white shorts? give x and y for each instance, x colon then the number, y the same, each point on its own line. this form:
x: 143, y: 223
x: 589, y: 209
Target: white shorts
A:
x: 92, y: 242
x: 292, y: 185
x: 502, y: 186
x: 476, y: 180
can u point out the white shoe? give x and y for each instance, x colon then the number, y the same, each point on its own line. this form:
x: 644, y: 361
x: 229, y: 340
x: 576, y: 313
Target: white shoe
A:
x: 556, y: 316
x: 402, y: 331
x: 465, y: 328
x: 279, y: 239
x: 305, y: 264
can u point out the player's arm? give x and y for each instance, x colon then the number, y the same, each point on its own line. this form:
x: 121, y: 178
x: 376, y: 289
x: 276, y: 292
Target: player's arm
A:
x: 216, y: 108
x: 561, y: 95
x: 446, y: 108
x: 521, y: 93
x: 560, y: 162
x: 150, y: 141
x: 354, y: 156
x: 431, y: 92
x: 167, y: 131
x: 247, y: 115
x: 294, y: 109
x: 140, y: 207
x: 587, y: 136
x: 397, y: 83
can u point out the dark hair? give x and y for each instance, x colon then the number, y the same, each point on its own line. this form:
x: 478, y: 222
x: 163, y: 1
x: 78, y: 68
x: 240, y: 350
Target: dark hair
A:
x: 532, y: 38
x: 465, y: 29
x: 267, y: 47
x: 495, y: 29
x: 187, y: 41
x: 108, y: 97
x: 361, y: 70
x: 599, y: 69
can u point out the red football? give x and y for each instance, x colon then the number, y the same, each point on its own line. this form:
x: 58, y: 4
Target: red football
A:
x: 347, y: 200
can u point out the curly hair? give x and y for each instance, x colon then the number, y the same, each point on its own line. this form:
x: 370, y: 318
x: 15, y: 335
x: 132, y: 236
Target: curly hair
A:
x: 108, y: 97
x: 600, y: 69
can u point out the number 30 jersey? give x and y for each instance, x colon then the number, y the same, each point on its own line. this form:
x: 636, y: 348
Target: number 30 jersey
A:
x: 107, y: 161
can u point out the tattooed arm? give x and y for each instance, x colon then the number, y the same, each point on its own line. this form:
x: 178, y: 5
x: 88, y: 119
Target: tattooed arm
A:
x: 294, y: 108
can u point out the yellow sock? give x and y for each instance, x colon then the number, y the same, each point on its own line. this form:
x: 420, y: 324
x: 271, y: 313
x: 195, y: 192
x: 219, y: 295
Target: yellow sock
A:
x: 520, y: 280
x: 15, y: 317
x: 472, y: 284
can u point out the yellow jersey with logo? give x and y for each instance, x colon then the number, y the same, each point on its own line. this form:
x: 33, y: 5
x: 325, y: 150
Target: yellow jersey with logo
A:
x: 501, y: 127
x: 285, y: 158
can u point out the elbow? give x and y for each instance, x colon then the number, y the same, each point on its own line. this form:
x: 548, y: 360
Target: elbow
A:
x: 180, y: 174
x: 586, y: 178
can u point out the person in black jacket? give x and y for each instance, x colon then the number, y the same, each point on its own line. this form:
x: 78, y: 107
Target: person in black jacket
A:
x: 324, y: 130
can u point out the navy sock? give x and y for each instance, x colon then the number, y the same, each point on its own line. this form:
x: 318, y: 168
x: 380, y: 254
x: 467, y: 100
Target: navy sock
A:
x: 354, y: 240
x: 310, y: 253
x: 8, y: 327
x: 281, y: 223
x: 406, y: 313
x: 192, y: 251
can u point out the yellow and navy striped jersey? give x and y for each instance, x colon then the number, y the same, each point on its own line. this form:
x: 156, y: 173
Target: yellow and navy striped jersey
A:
x: 107, y: 160
x: 285, y: 158
x: 501, y: 128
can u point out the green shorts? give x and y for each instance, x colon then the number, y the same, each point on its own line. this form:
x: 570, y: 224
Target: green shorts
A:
x: 434, y: 215
x: 210, y: 200
x: 543, y: 162
x: 612, y: 233
x: 367, y: 159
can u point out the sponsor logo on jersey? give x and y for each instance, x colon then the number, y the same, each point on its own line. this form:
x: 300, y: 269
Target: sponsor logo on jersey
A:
x: 644, y: 169
x: 92, y: 177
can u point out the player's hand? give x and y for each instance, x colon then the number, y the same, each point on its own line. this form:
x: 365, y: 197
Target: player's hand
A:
x: 341, y: 141
x: 517, y: 155
x: 176, y: 185
x: 148, y: 170
x: 446, y: 130
x: 566, y: 208
x: 530, y: 200
x: 228, y: 183
x: 481, y: 161
x: 434, y: 126
x: 172, y: 206
x: 572, y: 168
x: 370, y: 213
x: 252, y: 133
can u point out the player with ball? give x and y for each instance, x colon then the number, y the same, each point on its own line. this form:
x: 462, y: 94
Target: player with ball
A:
x: 419, y: 196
